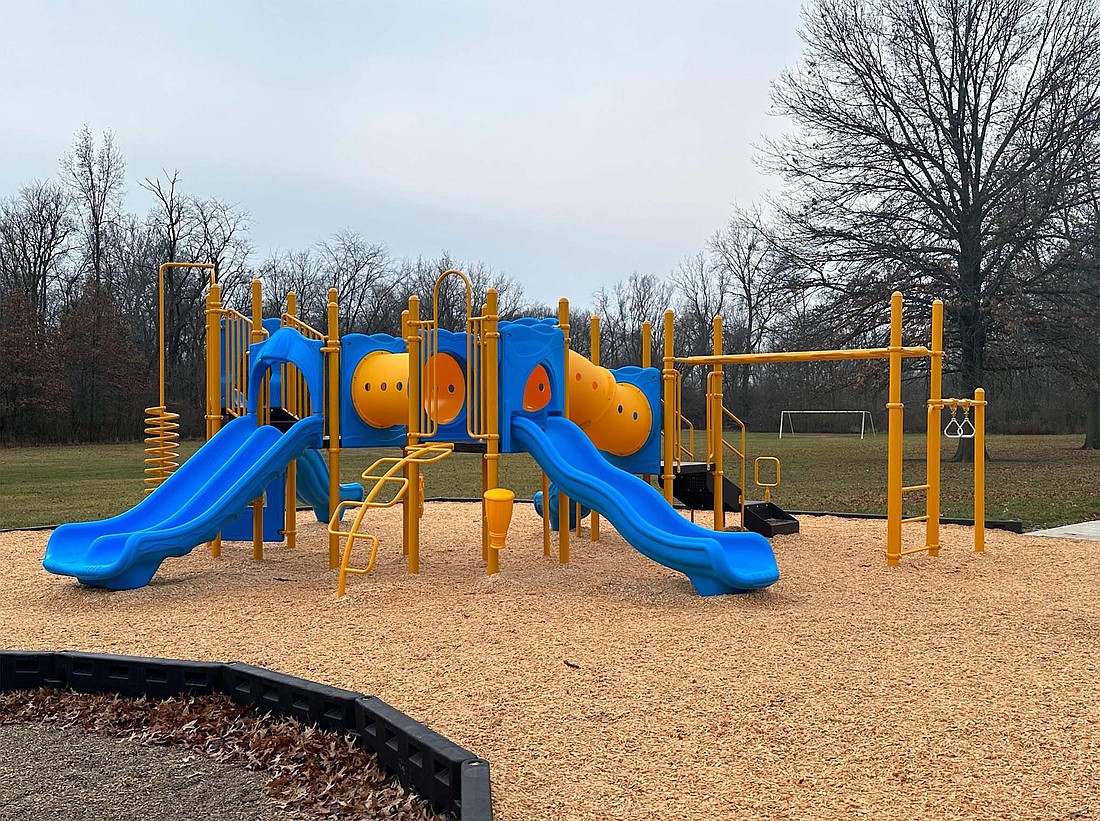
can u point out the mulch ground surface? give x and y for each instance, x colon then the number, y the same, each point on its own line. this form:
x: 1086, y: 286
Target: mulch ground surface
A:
x: 963, y: 686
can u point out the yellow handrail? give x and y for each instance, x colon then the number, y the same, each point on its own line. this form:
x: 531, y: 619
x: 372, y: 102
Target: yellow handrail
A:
x: 296, y: 399
x: 716, y: 430
x: 238, y: 337
x: 418, y: 455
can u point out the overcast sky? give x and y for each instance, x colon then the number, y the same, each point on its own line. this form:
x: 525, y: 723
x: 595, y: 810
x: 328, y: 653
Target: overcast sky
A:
x: 565, y: 143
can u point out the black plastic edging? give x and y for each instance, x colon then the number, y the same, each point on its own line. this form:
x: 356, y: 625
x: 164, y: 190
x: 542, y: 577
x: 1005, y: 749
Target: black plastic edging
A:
x: 452, y: 779
x: 1011, y: 525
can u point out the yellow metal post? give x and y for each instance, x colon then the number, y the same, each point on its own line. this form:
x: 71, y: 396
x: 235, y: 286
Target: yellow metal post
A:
x: 895, y: 425
x: 670, y: 441
x: 261, y: 416
x: 331, y: 350
x: 717, y: 423
x: 545, y: 515
x: 563, y: 501
x: 407, y: 508
x: 290, y: 400
x: 979, y: 470
x: 213, y: 376
x: 647, y: 344
x: 491, y: 411
x: 932, y: 461
x: 412, y: 500
x: 594, y: 525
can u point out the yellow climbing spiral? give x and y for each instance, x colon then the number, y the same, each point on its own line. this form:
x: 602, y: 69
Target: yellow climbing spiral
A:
x: 161, y: 440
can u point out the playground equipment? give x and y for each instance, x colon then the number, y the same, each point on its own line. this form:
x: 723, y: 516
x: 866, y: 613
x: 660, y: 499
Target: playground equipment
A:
x: 895, y: 489
x: 279, y: 390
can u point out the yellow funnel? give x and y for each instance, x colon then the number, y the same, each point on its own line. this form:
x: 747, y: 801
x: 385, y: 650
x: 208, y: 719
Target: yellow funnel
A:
x: 498, y: 512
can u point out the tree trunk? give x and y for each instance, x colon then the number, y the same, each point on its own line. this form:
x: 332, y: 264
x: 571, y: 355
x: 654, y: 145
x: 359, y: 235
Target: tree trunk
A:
x: 1092, y: 420
x: 972, y: 334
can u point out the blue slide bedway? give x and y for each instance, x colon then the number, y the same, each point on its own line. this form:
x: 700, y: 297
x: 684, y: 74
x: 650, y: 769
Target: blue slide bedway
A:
x: 715, y: 562
x: 190, y: 507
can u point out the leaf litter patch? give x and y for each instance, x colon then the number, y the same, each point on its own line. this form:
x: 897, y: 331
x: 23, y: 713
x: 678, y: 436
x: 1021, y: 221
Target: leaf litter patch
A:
x: 311, y: 773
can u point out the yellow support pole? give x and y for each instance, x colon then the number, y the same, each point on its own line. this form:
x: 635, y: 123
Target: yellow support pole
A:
x: 979, y: 470
x: 647, y: 357
x: 213, y: 376
x: 331, y: 350
x: 895, y: 426
x: 261, y: 417
x: 594, y: 331
x: 716, y: 421
x: 412, y: 506
x: 491, y: 411
x: 290, y: 400
x: 932, y: 463
x: 670, y: 441
x: 545, y: 515
x: 563, y: 501
x: 407, y: 508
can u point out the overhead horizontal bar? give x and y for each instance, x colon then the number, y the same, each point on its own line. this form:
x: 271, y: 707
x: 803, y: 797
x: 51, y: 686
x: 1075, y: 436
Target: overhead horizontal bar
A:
x: 801, y: 356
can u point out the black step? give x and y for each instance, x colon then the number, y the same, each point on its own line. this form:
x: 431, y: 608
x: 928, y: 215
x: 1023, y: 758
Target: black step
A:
x: 768, y: 519
x: 693, y: 485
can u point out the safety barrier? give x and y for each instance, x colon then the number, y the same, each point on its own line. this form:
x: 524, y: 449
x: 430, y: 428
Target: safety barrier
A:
x: 452, y: 779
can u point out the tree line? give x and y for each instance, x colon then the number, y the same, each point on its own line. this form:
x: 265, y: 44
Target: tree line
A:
x: 945, y: 148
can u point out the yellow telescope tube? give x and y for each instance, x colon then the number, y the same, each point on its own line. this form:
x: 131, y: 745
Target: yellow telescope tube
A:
x: 616, y: 416
x: 380, y: 389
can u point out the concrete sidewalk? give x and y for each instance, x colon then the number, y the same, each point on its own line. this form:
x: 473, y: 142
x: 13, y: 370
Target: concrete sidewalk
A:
x: 1082, y: 530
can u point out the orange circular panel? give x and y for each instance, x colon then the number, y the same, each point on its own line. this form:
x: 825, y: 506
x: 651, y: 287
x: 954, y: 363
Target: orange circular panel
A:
x: 536, y: 393
x: 450, y: 389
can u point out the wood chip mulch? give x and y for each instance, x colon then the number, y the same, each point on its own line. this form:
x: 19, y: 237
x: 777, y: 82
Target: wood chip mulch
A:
x: 963, y: 686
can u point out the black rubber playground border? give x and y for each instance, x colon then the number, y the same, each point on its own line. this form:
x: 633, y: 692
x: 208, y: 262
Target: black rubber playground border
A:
x: 452, y: 779
x: 1011, y: 525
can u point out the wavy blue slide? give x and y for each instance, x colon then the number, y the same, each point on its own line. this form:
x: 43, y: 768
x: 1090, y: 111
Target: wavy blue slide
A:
x: 312, y: 485
x: 189, y: 508
x: 715, y: 562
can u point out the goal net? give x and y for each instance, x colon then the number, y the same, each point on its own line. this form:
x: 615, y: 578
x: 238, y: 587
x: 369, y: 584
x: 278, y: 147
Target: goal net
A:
x: 865, y: 422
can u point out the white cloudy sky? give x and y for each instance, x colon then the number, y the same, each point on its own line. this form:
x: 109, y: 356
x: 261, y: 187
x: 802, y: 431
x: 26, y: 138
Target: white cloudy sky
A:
x: 566, y: 143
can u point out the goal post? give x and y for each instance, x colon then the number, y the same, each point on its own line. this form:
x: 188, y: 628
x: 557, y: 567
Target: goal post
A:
x: 865, y: 416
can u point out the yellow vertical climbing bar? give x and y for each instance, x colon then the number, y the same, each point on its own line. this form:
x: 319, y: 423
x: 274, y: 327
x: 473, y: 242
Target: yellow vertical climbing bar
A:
x: 895, y: 424
x: 979, y: 470
x: 261, y: 416
x: 331, y: 350
x: 563, y: 500
x: 594, y: 331
x: 412, y: 470
x: 290, y: 401
x: 717, y: 423
x: 213, y: 376
x: 932, y: 433
x: 670, y: 442
x: 490, y: 342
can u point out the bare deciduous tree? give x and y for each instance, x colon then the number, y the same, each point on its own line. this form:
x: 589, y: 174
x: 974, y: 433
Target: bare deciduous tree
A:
x: 935, y: 141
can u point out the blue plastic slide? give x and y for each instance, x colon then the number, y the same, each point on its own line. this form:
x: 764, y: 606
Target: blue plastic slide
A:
x: 312, y: 485
x: 190, y: 507
x: 715, y: 562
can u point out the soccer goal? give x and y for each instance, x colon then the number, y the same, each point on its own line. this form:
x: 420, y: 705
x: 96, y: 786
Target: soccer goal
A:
x: 865, y: 417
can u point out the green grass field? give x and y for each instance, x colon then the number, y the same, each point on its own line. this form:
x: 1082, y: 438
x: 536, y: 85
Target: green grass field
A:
x: 1041, y: 480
